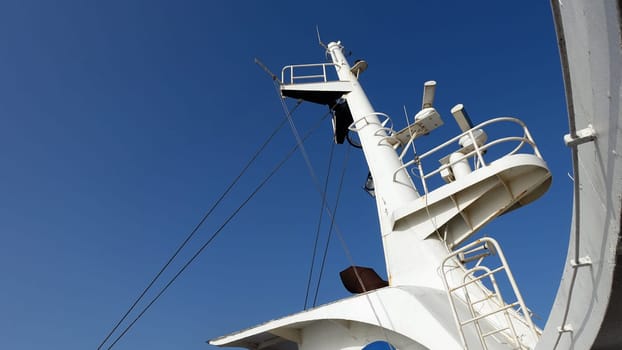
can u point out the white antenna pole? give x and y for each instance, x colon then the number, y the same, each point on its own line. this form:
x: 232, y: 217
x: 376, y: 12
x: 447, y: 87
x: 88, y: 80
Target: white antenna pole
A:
x: 408, y: 257
x: 382, y: 159
x: 319, y: 39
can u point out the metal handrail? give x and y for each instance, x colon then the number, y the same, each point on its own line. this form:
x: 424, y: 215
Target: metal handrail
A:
x: 507, y: 309
x: 477, y: 152
x: 293, y: 77
x: 365, y: 118
x: 482, y: 149
x: 478, y: 278
x: 477, y: 318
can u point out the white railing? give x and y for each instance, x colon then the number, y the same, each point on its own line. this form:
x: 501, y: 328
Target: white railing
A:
x: 506, y: 319
x: 377, y: 118
x: 475, y: 153
x: 289, y: 76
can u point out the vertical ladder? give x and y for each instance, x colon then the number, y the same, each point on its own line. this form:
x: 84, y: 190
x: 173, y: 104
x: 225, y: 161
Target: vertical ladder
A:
x: 488, y: 313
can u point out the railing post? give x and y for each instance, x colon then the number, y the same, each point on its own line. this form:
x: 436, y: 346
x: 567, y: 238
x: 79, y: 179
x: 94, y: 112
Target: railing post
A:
x: 533, y: 143
x: 324, y: 71
x: 480, y: 157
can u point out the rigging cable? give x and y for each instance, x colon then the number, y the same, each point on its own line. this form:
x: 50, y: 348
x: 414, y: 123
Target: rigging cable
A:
x: 303, y: 150
x: 319, y: 224
x: 193, y: 232
x: 215, y: 234
x: 196, y: 228
x: 332, y: 223
x: 328, y: 210
x: 442, y: 238
x: 351, y: 142
x: 307, y: 160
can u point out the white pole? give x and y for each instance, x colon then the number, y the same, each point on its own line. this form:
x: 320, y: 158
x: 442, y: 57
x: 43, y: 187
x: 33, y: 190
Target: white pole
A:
x: 382, y: 159
x: 409, y: 260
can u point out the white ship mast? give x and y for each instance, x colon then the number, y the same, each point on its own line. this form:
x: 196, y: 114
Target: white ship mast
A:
x: 407, y: 256
x: 440, y: 293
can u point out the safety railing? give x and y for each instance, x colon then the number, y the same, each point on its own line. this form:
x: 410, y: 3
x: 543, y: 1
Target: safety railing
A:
x: 384, y: 130
x: 502, y: 319
x: 315, y: 72
x: 475, y: 153
x: 377, y: 118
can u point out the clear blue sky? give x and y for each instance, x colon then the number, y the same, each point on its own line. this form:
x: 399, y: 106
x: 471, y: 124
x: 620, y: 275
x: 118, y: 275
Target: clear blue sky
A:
x: 123, y: 121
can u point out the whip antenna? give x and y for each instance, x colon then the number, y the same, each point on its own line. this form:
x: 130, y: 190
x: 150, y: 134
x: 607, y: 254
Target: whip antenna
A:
x: 319, y: 39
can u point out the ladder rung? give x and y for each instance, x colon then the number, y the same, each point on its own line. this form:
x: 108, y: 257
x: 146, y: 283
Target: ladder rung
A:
x: 489, y: 297
x: 480, y: 277
x: 481, y: 293
x: 489, y: 314
x: 495, y: 332
x: 467, y: 259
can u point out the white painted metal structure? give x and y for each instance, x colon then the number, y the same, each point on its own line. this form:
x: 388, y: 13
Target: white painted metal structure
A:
x: 422, y: 235
x: 438, y: 295
x: 587, y: 313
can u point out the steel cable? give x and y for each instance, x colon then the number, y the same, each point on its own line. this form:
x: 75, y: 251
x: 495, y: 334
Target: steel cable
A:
x: 332, y: 224
x: 319, y: 224
x: 194, y: 231
x: 328, y: 210
x: 215, y: 234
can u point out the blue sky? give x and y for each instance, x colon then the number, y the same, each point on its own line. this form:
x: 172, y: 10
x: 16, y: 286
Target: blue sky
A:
x: 123, y: 121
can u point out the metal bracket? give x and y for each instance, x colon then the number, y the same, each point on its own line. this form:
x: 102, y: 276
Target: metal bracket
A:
x: 582, y: 261
x: 581, y: 136
x: 567, y: 328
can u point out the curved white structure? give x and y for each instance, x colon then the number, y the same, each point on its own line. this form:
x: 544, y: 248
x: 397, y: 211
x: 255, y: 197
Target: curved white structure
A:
x: 587, y: 313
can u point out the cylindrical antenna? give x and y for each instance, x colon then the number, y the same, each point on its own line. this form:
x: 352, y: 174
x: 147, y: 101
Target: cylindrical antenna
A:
x: 462, y: 117
x: 428, y: 94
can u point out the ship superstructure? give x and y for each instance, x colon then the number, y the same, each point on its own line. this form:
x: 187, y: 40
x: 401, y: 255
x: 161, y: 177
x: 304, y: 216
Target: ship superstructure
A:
x: 442, y: 290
